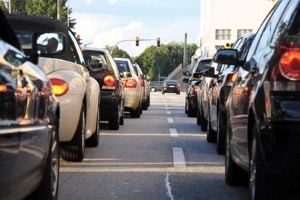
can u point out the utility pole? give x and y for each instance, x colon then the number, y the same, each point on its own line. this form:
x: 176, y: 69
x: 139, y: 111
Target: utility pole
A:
x: 9, y: 6
x: 58, y: 9
x: 185, y: 59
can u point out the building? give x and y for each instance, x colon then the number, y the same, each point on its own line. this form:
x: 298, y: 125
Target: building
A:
x: 223, y: 21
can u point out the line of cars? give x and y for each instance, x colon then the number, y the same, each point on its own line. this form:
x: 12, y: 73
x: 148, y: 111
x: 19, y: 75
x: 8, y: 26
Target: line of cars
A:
x: 54, y: 94
x: 253, y: 106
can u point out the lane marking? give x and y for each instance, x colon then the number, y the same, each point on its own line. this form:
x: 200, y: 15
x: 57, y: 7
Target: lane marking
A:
x: 170, y: 120
x: 168, y: 186
x: 173, y: 132
x: 168, y: 112
x: 178, y: 157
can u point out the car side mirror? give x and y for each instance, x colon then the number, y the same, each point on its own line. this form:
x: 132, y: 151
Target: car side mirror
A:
x: 186, y: 73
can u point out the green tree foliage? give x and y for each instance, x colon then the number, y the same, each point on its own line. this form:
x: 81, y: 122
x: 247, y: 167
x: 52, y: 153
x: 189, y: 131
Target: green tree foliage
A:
x: 161, y: 61
x: 117, y: 53
x: 46, y: 8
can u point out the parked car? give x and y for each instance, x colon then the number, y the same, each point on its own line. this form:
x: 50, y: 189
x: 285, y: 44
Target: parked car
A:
x: 156, y: 86
x: 77, y: 92
x: 218, y: 93
x: 103, y: 68
x: 191, y: 102
x: 29, y: 123
x: 145, y: 86
x: 171, y: 86
x: 263, y: 108
x: 132, y: 87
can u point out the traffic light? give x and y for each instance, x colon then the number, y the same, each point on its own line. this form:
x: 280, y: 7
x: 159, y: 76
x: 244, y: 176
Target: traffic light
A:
x: 158, y: 42
x: 137, y: 40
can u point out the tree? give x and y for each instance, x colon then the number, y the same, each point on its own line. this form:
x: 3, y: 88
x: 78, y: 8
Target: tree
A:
x: 117, y: 53
x: 46, y: 8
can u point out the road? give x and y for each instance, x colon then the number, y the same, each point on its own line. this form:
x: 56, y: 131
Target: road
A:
x: 161, y: 156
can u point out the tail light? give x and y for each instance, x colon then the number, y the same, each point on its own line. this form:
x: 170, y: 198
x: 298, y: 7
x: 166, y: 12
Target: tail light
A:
x: 59, y: 86
x: 129, y: 83
x: 231, y: 77
x: 195, y: 89
x: 109, y: 82
x: 142, y: 82
x: 286, y: 75
x: 3, y: 88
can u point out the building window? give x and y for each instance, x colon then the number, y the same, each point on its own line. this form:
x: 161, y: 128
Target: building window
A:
x: 241, y: 32
x: 223, y: 34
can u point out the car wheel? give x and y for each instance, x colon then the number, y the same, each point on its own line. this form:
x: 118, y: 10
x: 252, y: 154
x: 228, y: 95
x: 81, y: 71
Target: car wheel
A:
x: 48, y: 188
x: 74, y: 150
x: 258, y: 180
x: 234, y: 175
x: 185, y: 107
x: 93, y: 141
x: 136, y: 113
x: 211, y: 135
x: 114, y: 123
x: 203, y: 121
x: 121, y: 122
x: 198, y: 116
x: 221, y: 132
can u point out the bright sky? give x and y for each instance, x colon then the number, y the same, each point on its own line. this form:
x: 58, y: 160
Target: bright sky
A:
x: 106, y: 22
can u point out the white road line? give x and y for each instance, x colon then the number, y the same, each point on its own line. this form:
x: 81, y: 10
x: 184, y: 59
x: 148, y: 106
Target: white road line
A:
x: 168, y: 112
x: 178, y: 157
x: 168, y: 186
x: 173, y: 132
x: 170, y: 120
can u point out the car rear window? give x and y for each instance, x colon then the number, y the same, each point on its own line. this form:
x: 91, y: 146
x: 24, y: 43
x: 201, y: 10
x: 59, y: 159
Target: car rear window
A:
x: 122, y: 66
x: 203, y: 64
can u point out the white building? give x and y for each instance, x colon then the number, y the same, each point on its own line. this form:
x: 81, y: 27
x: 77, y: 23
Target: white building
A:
x: 223, y: 21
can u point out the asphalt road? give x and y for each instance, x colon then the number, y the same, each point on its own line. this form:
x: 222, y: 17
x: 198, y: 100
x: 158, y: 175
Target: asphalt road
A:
x: 161, y: 156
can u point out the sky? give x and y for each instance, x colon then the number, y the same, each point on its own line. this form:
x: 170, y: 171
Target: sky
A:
x: 110, y: 22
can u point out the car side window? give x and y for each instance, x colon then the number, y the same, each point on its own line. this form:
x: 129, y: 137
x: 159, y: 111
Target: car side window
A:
x: 266, y: 31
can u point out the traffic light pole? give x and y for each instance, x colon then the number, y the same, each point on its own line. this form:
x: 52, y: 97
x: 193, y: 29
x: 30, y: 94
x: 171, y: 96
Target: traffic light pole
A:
x: 112, y: 49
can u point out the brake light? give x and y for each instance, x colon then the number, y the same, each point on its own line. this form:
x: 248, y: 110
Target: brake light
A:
x: 109, y: 80
x: 142, y: 82
x: 59, y: 86
x: 289, y: 65
x: 232, y: 77
x: 3, y: 88
x: 129, y: 83
x: 195, y: 89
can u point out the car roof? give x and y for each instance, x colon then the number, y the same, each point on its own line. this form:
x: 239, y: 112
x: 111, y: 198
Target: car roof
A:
x: 94, y: 49
x: 37, y: 23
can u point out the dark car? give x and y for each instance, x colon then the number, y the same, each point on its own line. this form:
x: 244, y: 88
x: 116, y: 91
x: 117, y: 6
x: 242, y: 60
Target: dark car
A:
x: 171, y: 86
x: 156, y: 86
x: 191, y: 102
x: 103, y: 68
x: 263, y: 108
x: 29, y: 123
x: 218, y: 93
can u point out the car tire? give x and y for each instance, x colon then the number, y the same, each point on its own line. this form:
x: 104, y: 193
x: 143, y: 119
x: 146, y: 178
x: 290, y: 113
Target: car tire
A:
x: 136, y: 113
x: 114, y: 123
x: 48, y: 188
x: 211, y: 135
x: 259, y: 183
x: 234, y: 175
x: 93, y: 141
x: 198, y: 116
x: 203, y: 121
x: 221, y: 132
x: 74, y: 150
x: 121, y: 122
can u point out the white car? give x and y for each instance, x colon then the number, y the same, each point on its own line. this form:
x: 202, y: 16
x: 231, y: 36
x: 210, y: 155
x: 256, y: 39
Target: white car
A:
x: 77, y: 92
x: 132, y: 87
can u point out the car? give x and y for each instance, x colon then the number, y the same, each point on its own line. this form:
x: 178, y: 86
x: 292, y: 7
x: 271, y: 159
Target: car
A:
x: 29, y: 124
x: 145, y: 86
x: 218, y: 93
x: 78, y: 93
x: 191, y: 102
x: 263, y: 108
x: 171, y: 86
x: 132, y: 87
x: 156, y: 86
x: 103, y: 68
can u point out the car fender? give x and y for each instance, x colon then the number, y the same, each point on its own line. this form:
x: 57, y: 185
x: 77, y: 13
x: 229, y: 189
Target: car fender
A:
x: 92, y: 107
x: 71, y: 102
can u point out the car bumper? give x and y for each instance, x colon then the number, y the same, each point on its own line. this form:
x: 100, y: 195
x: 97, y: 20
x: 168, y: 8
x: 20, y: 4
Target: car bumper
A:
x: 132, y: 99
x: 109, y: 108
